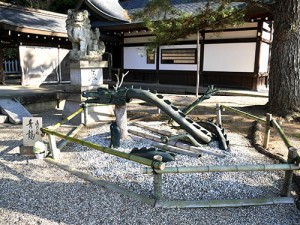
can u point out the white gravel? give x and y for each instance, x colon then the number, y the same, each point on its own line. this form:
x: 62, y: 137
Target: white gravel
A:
x: 35, y: 192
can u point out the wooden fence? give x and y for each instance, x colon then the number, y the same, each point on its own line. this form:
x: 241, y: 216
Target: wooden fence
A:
x: 157, y: 168
x: 11, y: 67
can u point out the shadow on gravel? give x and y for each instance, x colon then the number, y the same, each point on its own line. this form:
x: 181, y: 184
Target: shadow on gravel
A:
x: 85, y: 203
x: 11, y: 145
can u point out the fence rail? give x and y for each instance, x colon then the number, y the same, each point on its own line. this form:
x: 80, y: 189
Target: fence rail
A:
x: 158, y: 168
x: 11, y: 66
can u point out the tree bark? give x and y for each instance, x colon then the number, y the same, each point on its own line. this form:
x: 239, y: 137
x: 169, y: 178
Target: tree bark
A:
x: 284, y: 91
x: 121, y: 120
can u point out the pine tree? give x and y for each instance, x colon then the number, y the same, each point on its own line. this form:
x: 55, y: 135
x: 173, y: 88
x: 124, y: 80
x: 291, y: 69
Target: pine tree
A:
x: 284, y: 79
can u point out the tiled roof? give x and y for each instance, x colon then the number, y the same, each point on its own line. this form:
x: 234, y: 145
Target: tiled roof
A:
x: 42, y: 20
x: 181, y: 5
x: 193, y: 5
x: 186, y: 6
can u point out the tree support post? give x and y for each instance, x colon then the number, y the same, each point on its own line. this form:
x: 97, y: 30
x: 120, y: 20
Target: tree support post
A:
x: 267, y: 132
x: 121, y: 119
x: 219, y: 115
x: 288, y: 177
x: 84, y: 115
x: 53, y: 148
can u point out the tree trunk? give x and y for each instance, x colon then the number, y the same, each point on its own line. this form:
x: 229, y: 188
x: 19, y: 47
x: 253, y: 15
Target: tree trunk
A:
x: 284, y: 92
x: 121, y: 119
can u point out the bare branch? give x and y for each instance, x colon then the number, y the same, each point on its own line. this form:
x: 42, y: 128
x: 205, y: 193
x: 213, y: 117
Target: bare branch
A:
x: 118, y: 81
x: 122, y: 79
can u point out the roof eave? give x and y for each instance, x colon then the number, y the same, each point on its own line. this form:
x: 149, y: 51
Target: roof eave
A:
x: 104, y: 14
x: 29, y: 30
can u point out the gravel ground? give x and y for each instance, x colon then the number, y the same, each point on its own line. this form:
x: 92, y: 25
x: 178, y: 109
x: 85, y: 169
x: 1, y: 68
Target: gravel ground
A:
x: 35, y: 192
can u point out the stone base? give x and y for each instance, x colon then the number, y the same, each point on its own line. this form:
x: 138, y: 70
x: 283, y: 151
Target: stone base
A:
x: 26, y: 150
x: 86, y: 75
x: 100, y: 113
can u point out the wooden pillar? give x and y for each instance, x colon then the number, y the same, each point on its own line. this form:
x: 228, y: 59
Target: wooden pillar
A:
x: 198, y: 64
x: 2, y: 78
x: 157, y: 72
x: 257, y: 56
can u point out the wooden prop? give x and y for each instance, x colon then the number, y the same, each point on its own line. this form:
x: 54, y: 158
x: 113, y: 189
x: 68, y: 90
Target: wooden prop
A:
x: 148, y: 162
x: 178, y: 144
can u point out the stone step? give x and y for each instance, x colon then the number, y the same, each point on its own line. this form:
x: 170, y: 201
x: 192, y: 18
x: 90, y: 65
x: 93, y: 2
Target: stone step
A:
x: 3, y: 119
x: 14, y: 110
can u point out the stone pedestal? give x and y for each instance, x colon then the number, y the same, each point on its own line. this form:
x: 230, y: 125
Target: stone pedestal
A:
x: 87, y: 73
x: 86, y: 76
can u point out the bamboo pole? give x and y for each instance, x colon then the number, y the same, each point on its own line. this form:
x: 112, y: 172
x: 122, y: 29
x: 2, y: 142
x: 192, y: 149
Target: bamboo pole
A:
x: 159, y: 131
x: 267, y: 131
x: 179, y: 144
x: 171, y: 135
x: 224, y: 203
x: 184, y: 137
x: 102, y: 183
x: 174, y: 149
x: 288, y: 177
x: 57, y: 125
x: 281, y: 133
x: 225, y: 168
x: 72, y: 133
x: 155, y: 164
x: 243, y: 113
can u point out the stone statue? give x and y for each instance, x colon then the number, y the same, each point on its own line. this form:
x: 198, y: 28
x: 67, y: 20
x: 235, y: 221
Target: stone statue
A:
x: 85, y: 42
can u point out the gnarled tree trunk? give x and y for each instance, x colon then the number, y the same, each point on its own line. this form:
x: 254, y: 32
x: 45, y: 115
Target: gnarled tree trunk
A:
x: 284, y: 92
x: 121, y: 120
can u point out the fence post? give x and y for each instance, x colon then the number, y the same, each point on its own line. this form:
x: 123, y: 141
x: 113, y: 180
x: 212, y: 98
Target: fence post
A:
x: 268, y: 129
x: 53, y: 148
x: 157, y: 181
x: 219, y: 115
x: 17, y: 66
x: 288, y: 177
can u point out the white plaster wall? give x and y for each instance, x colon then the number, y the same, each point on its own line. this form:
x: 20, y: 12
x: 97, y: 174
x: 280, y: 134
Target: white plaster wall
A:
x: 64, y: 65
x: 231, y: 57
x: 231, y: 34
x: 264, y: 58
x: 136, y: 40
x: 189, y: 67
x: 266, y: 26
x: 136, y: 58
x: 37, y: 63
x: 266, y: 35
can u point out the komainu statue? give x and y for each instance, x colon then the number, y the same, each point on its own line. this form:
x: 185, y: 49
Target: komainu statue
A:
x: 85, y: 42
